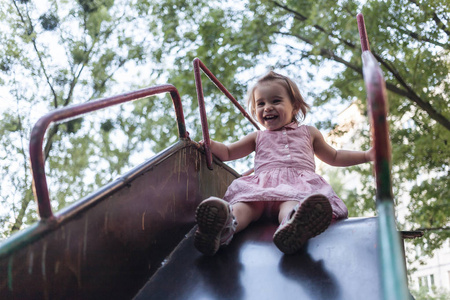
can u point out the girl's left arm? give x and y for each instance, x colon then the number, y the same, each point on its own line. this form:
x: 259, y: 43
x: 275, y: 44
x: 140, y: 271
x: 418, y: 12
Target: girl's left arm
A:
x: 339, y: 158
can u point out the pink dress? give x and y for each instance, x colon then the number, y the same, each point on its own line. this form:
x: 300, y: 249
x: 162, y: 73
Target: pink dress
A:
x: 284, y: 170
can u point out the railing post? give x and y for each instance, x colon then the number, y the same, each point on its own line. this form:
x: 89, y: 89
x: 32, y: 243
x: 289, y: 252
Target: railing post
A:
x: 198, y: 65
x: 393, y: 270
x: 202, y: 109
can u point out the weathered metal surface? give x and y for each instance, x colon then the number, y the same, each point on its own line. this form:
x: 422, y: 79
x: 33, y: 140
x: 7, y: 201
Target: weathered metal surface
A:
x: 362, y: 33
x: 341, y: 263
x: 107, y: 245
x: 38, y: 132
x: 393, y: 269
x: 377, y: 102
x: 199, y: 65
x: 377, y: 106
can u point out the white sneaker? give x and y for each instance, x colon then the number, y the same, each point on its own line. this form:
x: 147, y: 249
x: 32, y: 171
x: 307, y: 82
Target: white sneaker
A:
x: 216, y: 225
x: 308, y: 219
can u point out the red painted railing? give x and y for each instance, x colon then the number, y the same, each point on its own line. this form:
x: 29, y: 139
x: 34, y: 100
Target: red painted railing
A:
x: 392, y: 263
x: 39, y: 129
x: 201, y: 104
x: 377, y: 106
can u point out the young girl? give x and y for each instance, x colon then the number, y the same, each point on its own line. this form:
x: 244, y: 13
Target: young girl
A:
x: 285, y: 184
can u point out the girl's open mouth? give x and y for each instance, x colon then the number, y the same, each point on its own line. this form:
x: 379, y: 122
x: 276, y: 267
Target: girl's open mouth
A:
x: 270, y: 117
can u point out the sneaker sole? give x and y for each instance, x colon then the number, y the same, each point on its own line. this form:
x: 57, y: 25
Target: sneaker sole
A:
x: 211, y: 216
x: 312, y: 218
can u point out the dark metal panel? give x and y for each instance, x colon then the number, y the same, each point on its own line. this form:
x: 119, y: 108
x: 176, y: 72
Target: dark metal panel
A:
x: 341, y: 263
x: 107, y: 246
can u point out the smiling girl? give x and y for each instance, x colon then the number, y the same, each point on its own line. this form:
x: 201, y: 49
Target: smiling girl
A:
x: 284, y: 186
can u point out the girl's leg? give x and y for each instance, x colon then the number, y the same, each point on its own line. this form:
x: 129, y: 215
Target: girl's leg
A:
x: 247, y: 212
x: 286, y: 208
x: 217, y: 222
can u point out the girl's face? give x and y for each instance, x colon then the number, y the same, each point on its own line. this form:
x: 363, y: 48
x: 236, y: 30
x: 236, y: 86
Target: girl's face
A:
x: 273, y: 105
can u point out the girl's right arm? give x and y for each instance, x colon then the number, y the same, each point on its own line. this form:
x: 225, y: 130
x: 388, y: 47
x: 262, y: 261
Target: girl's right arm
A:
x: 236, y: 150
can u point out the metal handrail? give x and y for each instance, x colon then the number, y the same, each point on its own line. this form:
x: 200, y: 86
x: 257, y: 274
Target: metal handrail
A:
x: 37, y: 159
x: 393, y: 269
x: 199, y: 65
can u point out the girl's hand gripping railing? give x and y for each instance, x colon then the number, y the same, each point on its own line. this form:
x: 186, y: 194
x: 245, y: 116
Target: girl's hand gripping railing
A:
x: 392, y: 263
x: 201, y: 105
x: 40, y: 187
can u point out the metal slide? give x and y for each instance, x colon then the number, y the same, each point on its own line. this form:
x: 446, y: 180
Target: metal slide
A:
x: 342, y: 263
x: 133, y: 239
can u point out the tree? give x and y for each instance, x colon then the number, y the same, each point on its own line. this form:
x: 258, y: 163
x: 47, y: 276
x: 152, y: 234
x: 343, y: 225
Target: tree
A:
x: 409, y: 38
x: 53, y: 55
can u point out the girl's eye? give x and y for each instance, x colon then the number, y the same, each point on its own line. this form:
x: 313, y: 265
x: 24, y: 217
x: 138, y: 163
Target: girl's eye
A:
x: 260, y: 104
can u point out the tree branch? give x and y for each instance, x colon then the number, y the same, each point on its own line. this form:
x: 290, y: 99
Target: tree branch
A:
x: 105, y: 80
x: 302, y: 18
x: 27, y: 198
x: 49, y: 142
x: 302, y: 38
x: 436, y: 19
x: 41, y: 62
x: 18, y: 222
x: 412, y: 95
x: 420, y: 38
x: 407, y: 92
x: 434, y: 229
x: 54, y: 130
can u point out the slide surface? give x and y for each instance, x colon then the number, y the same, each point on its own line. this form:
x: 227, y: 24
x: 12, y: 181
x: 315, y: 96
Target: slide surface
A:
x: 341, y: 263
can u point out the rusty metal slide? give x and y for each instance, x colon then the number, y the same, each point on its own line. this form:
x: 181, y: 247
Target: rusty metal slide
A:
x: 107, y: 245
x: 133, y: 238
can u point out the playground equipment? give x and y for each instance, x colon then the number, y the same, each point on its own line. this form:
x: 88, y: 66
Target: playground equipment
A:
x: 133, y: 238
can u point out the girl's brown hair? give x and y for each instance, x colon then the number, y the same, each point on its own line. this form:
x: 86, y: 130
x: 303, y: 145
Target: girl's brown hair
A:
x: 299, y: 105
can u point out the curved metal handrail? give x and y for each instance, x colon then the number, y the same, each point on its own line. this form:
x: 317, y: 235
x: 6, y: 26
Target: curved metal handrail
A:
x: 377, y: 107
x: 199, y: 65
x: 393, y: 269
x: 40, y: 187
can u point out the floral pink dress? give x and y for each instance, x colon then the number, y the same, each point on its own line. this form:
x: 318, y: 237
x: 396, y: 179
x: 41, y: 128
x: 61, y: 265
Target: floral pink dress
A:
x: 284, y: 170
